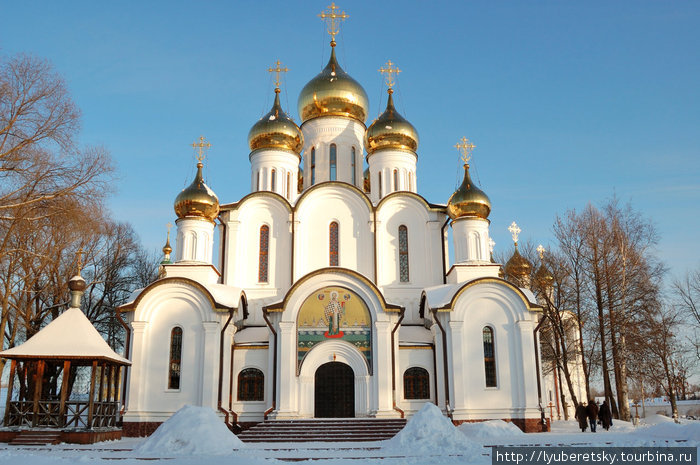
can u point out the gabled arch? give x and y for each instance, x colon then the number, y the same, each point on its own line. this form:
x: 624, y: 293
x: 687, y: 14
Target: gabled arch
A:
x: 518, y: 292
x: 341, y: 184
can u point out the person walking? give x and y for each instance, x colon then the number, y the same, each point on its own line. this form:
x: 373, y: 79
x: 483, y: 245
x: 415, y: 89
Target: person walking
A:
x: 582, y: 417
x: 592, y: 413
x: 605, y: 416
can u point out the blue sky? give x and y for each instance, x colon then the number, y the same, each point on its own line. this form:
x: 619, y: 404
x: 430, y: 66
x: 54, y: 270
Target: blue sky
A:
x: 567, y: 102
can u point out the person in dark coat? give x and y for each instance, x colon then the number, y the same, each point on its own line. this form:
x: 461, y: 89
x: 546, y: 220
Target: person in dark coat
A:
x: 592, y: 413
x: 582, y: 417
x: 605, y: 416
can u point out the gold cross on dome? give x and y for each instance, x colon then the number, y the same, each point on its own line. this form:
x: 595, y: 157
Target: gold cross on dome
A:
x: 492, y: 244
x: 388, y: 71
x: 514, y: 231
x: 169, y: 225
x: 465, y: 148
x: 333, y: 20
x: 277, y: 70
x: 540, y: 250
x: 80, y: 254
x: 200, y: 148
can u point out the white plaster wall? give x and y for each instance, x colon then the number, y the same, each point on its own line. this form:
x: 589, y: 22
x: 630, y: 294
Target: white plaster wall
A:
x: 263, y: 161
x: 251, y: 358
x: 497, y: 306
x: 315, y: 212
x: 162, y: 309
x: 408, y: 358
x: 195, y: 240
x: 346, y: 133
x: 385, y: 162
x: 471, y: 240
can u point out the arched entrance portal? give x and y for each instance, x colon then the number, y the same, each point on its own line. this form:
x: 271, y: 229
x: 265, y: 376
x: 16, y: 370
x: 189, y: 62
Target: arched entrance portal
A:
x: 334, y: 391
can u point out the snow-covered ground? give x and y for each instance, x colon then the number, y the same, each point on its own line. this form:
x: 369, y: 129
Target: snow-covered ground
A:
x: 196, y: 436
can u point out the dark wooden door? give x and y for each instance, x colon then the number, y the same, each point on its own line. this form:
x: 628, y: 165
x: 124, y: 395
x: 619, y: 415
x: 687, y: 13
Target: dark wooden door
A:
x: 334, y: 391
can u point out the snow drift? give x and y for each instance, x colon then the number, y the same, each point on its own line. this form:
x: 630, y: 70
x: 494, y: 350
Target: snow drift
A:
x: 489, y: 429
x: 191, y: 431
x: 429, y: 432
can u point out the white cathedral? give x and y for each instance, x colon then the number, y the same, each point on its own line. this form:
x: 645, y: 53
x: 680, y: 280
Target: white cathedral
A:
x: 332, y: 295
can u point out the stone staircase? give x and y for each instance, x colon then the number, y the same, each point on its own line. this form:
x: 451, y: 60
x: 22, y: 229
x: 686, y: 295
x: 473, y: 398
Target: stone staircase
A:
x: 36, y: 438
x: 326, y: 430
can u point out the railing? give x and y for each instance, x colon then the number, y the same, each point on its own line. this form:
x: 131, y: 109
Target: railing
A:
x: 21, y: 413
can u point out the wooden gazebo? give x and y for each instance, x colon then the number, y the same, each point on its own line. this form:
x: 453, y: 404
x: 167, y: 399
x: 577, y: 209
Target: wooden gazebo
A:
x: 67, y: 343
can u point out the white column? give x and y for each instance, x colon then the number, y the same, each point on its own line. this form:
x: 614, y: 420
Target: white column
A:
x: 137, y: 382
x: 210, y: 363
x: 382, y: 374
x: 287, y: 366
x: 529, y: 373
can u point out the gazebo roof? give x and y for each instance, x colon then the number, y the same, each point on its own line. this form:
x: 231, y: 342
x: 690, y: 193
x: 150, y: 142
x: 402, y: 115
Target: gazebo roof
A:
x: 71, y: 336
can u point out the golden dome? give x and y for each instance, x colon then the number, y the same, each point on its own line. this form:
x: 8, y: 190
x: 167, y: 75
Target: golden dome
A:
x: 468, y: 200
x: 391, y: 131
x: 333, y: 93
x: 276, y: 130
x: 197, y: 200
x: 544, y: 276
x: 517, y: 265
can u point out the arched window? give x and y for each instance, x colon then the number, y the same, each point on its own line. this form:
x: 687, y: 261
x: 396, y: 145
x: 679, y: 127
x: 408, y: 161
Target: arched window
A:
x: 396, y: 180
x: 410, y: 181
x: 257, y: 183
x: 333, y: 162
x: 313, y: 165
x: 263, y: 256
x: 489, y: 357
x: 289, y: 186
x: 379, y: 184
x: 251, y: 384
x: 273, y: 180
x: 416, y: 383
x: 403, y: 254
x: 353, y: 166
x: 333, y: 244
x: 175, y: 358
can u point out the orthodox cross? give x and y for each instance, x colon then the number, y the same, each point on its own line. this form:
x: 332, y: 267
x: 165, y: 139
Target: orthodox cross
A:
x: 80, y: 254
x: 200, y: 148
x: 388, y: 71
x: 277, y: 70
x: 465, y: 148
x: 540, y: 249
x: 492, y: 244
x: 169, y: 225
x: 514, y: 231
x: 333, y: 20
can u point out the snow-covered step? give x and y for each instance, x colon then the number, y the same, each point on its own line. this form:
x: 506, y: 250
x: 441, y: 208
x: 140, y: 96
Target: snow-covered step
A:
x: 36, y: 438
x: 323, y: 430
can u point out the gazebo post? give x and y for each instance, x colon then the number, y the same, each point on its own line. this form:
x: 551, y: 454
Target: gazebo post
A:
x: 10, y: 385
x: 100, y: 392
x: 91, y: 403
x: 64, y: 393
x: 37, y: 392
x: 110, y: 375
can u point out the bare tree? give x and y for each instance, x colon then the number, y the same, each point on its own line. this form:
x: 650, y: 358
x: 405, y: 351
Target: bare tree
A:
x: 687, y: 296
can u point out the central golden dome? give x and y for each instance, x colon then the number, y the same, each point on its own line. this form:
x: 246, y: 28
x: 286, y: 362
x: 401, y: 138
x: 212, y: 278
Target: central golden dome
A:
x: 197, y: 200
x: 333, y: 93
x: 468, y: 200
x: 276, y: 130
x: 391, y: 131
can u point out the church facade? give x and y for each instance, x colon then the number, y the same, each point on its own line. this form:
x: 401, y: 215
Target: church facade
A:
x: 333, y: 295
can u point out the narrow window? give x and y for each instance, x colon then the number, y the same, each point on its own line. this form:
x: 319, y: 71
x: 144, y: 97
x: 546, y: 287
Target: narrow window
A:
x: 489, y: 359
x: 396, y: 180
x: 410, y: 181
x: 251, y: 385
x: 289, y: 186
x: 403, y: 254
x: 333, y: 162
x: 175, y: 358
x: 333, y: 244
x: 379, y: 183
x: 313, y: 165
x: 352, y: 167
x: 257, y: 184
x: 273, y: 181
x: 263, y: 257
x: 416, y: 383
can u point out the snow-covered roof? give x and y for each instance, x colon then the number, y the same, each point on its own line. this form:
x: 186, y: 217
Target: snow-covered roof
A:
x: 252, y: 334
x: 415, y: 335
x: 441, y: 295
x: 70, y: 336
x: 224, y: 296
